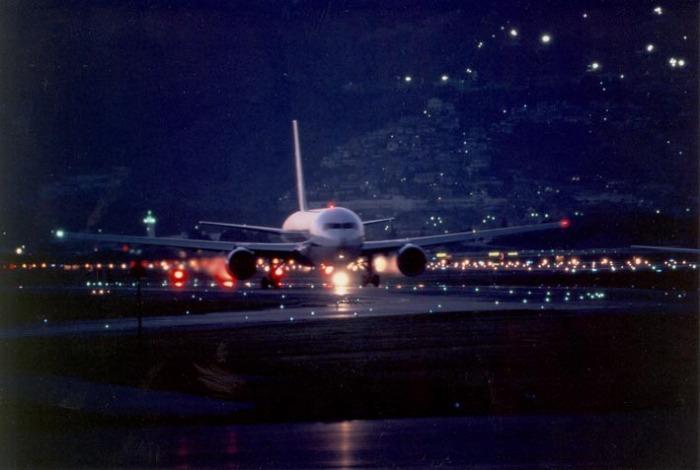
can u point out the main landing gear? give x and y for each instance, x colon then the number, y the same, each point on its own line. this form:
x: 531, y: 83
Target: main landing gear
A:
x: 371, y: 279
x: 370, y: 276
x: 273, y: 279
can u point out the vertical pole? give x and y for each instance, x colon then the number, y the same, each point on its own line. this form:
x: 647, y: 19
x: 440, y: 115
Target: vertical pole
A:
x: 139, y: 306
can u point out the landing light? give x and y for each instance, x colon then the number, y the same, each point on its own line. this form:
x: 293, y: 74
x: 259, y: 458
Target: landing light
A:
x: 340, y: 279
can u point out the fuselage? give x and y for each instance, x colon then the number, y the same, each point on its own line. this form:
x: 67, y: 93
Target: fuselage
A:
x: 333, y: 235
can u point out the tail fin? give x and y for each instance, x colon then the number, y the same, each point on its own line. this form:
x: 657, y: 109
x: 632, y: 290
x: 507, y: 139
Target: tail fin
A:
x: 301, y: 189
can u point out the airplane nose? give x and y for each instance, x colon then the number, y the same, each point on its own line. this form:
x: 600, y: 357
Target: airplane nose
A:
x: 349, y: 240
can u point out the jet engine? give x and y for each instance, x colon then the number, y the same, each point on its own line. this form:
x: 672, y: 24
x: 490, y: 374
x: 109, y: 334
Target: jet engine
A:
x: 241, y: 263
x: 411, y: 260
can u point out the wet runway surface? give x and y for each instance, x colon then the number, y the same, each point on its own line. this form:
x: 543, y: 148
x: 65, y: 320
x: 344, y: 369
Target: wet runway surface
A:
x: 303, y: 304
x: 661, y: 439
x: 421, y: 375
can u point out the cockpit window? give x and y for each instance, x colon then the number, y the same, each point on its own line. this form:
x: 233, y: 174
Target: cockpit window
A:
x: 339, y: 226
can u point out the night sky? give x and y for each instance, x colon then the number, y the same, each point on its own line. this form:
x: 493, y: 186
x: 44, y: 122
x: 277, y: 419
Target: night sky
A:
x: 108, y: 109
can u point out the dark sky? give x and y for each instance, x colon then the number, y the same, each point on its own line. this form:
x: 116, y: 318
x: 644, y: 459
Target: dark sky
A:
x: 110, y: 108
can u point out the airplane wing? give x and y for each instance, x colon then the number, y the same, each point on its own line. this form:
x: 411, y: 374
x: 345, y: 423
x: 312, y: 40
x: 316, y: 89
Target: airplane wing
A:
x: 668, y: 249
x: 255, y: 228
x: 380, y: 246
x: 376, y: 221
x: 262, y: 249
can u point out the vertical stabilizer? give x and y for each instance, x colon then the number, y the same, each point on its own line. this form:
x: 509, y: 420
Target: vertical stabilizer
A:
x: 301, y: 189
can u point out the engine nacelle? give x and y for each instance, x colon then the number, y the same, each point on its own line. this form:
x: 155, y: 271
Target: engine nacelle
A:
x: 411, y: 260
x: 241, y: 264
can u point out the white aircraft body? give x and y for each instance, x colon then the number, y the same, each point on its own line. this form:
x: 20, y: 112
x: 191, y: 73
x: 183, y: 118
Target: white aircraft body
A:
x: 329, y: 237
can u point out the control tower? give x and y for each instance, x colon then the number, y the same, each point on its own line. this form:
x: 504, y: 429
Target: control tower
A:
x: 150, y: 222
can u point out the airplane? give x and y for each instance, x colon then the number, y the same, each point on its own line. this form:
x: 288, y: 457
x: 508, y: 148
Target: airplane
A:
x: 329, y: 238
x: 668, y: 249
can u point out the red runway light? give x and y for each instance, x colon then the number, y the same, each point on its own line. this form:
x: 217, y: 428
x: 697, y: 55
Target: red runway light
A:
x: 565, y: 223
x: 178, y: 277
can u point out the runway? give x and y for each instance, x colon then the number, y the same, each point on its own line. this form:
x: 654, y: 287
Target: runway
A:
x: 294, y: 304
x: 412, y: 376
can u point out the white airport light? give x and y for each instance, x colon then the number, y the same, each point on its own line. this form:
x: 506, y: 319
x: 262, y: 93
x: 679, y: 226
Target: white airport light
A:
x: 60, y: 233
x: 659, y: 10
x: 650, y: 48
x: 545, y: 39
x: 514, y: 33
x: 407, y: 79
x: 593, y: 66
x: 444, y: 78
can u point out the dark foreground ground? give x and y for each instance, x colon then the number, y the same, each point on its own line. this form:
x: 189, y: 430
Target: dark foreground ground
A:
x: 512, y: 389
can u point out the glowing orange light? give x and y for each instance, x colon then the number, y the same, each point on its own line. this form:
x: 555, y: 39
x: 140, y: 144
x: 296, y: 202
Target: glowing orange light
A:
x: 331, y: 205
x: 380, y: 264
x: 328, y: 270
x: 279, y: 271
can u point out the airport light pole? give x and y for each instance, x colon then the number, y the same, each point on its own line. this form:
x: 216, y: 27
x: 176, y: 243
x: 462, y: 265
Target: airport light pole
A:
x: 138, y: 271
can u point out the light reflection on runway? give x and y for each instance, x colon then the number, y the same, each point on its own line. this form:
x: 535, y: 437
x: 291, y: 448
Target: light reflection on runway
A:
x: 662, y: 439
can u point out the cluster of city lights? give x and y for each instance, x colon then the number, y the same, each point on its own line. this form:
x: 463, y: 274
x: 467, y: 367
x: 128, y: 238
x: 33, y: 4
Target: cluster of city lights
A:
x: 546, y: 38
